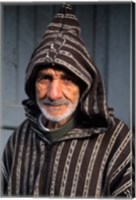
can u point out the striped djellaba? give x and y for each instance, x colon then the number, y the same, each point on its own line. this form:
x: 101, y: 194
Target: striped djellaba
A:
x: 81, y: 164
x: 94, y: 157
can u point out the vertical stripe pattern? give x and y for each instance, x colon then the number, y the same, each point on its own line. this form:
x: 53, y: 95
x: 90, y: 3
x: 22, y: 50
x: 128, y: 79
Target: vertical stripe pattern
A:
x: 86, y: 162
x: 77, y: 169
x: 41, y: 163
x: 55, y: 168
x: 27, y: 163
x: 66, y: 168
x: 107, y: 153
x: 32, y: 164
x: 81, y: 165
x: 91, y: 165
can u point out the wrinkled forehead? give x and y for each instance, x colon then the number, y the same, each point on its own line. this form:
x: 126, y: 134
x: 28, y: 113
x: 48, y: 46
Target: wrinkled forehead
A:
x: 59, y: 70
x: 55, y: 71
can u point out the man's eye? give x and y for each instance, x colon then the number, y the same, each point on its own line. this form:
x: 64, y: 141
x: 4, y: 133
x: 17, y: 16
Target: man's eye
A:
x: 47, y: 77
x: 66, y: 78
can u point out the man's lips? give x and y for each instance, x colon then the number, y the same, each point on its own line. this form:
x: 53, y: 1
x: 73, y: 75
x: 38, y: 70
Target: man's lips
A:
x: 59, y: 102
x: 55, y: 107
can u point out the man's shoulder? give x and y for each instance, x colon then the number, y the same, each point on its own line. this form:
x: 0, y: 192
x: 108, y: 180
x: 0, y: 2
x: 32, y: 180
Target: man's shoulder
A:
x: 24, y: 125
x: 16, y: 138
x: 119, y: 123
x: 21, y: 129
x: 117, y: 129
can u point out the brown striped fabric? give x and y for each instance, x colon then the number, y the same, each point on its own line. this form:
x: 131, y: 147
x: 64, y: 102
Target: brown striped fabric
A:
x: 81, y: 164
x: 62, y: 45
x: 94, y: 159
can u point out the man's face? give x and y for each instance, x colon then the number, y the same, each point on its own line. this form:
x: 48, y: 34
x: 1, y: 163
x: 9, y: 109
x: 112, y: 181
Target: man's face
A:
x: 56, y: 94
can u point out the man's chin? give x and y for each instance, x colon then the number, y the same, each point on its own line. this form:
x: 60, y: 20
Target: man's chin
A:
x: 57, y: 117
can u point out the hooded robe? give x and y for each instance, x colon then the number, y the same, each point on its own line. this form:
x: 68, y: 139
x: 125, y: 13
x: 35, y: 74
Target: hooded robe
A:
x: 90, y: 156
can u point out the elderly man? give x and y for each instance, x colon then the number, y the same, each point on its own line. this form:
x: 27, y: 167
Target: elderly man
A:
x: 70, y: 145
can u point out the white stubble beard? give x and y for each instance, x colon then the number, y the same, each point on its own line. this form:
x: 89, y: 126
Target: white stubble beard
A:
x: 70, y: 110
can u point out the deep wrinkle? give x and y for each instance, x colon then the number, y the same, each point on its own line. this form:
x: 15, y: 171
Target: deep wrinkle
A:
x: 57, y: 96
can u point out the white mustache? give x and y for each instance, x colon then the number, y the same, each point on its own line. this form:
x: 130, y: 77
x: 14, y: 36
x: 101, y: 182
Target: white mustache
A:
x: 58, y: 102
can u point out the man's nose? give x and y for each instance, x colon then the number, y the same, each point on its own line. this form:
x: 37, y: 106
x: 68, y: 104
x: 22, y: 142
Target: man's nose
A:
x: 54, y: 90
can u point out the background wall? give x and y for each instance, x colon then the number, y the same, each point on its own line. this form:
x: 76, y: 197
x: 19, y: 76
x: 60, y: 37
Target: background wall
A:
x: 106, y: 33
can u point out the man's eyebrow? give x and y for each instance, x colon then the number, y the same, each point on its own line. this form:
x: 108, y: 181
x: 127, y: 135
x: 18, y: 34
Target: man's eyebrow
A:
x: 67, y: 76
x: 42, y: 75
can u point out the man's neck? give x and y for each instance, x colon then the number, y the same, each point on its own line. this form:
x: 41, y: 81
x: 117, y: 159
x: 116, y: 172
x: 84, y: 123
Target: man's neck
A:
x: 54, y: 125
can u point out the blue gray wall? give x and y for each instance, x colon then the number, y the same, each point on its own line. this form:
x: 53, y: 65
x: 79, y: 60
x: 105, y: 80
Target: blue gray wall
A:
x: 106, y: 33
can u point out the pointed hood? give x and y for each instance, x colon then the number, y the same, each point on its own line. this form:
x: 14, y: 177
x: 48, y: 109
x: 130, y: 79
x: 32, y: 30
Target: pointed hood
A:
x: 61, y: 45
